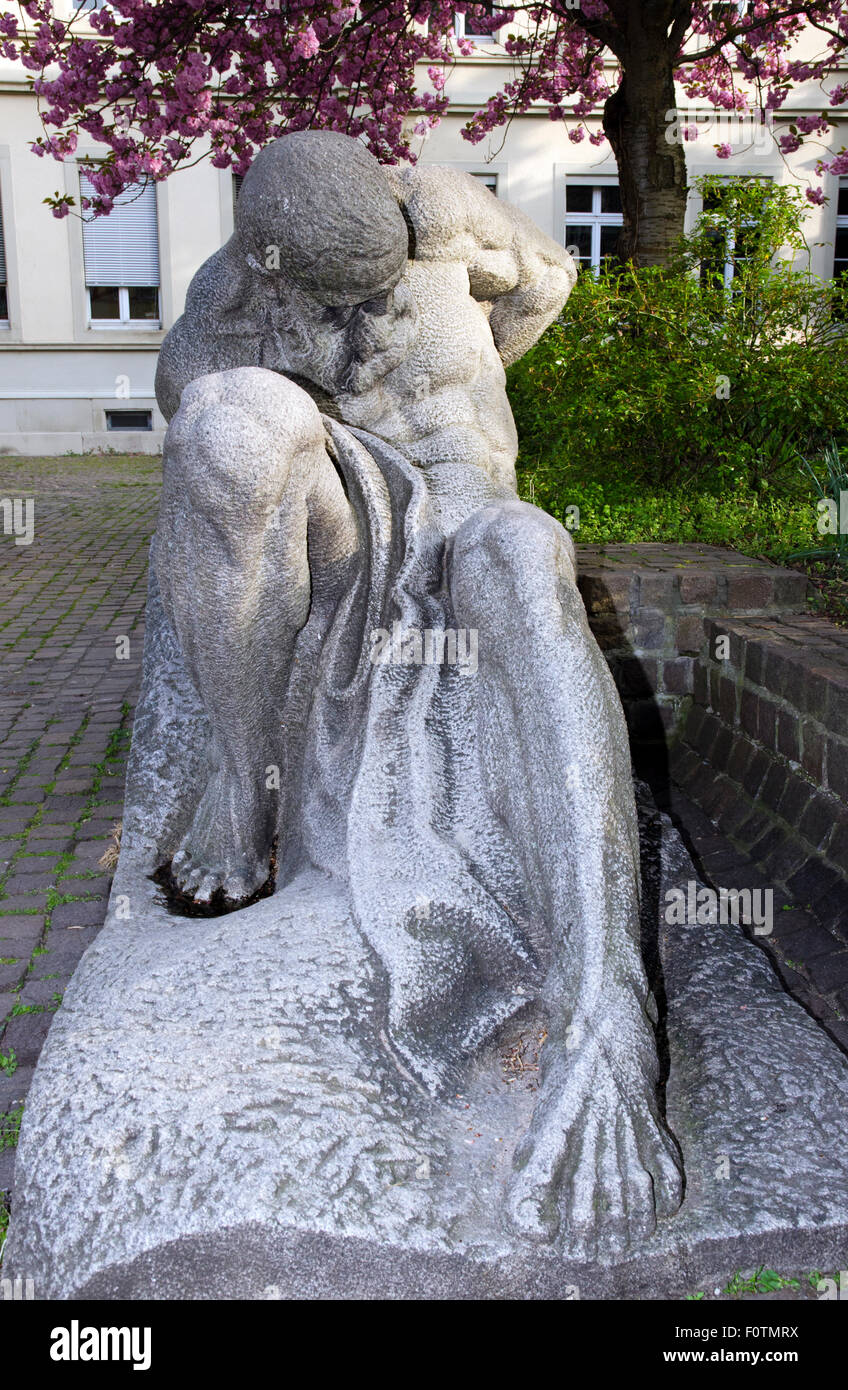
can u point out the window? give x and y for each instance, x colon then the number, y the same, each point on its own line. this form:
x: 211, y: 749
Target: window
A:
x: 593, y: 221
x: 734, y: 241
x: 129, y: 419
x: 466, y: 26
x: 238, y: 180
x: 731, y: 12
x: 121, y: 254
x: 4, y: 297
x: 82, y: 5
x: 840, y: 244
x: 489, y: 180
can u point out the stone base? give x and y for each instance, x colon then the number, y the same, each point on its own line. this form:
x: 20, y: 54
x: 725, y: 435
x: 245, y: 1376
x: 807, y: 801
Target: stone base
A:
x: 216, y: 1115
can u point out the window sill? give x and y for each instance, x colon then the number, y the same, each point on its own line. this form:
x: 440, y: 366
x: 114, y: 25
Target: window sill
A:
x: 121, y: 326
x: 117, y: 335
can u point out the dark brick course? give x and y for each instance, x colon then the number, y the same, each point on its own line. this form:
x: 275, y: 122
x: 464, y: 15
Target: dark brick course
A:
x: 658, y: 604
x: 786, y: 763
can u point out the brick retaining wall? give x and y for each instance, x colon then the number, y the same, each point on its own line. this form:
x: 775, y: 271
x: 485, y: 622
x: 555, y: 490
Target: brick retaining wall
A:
x: 757, y: 737
x: 763, y: 749
x: 646, y: 606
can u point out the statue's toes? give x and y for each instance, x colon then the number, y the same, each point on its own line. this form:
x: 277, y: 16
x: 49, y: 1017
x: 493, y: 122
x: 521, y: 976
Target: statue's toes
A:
x: 243, y: 883
x: 204, y: 883
x: 532, y: 1195
x: 181, y: 862
x: 662, y: 1160
x: 599, y: 1181
x: 199, y: 879
x: 193, y: 878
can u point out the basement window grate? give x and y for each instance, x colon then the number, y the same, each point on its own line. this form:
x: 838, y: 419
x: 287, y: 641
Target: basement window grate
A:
x: 129, y: 419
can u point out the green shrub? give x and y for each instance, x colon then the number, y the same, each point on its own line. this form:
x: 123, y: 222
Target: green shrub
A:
x: 665, y: 380
x: 829, y: 477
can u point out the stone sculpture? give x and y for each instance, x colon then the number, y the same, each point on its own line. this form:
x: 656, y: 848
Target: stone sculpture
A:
x: 377, y: 746
x: 341, y: 463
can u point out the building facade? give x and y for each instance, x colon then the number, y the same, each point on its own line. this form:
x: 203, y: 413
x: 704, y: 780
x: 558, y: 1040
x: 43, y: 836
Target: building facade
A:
x: 84, y: 306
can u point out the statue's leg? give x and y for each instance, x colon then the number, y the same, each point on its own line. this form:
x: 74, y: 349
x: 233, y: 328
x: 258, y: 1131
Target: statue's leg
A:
x: 597, y: 1157
x: 254, y: 528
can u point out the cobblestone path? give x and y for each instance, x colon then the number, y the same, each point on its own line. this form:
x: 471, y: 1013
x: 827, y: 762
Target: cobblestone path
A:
x: 71, y: 635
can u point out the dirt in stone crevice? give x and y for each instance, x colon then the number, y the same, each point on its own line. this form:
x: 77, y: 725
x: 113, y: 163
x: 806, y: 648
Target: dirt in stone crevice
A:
x: 181, y: 904
x: 829, y: 580
x: 519, y: 1056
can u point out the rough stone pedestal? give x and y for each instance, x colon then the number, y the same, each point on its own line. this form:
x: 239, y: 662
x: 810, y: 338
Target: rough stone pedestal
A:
x: 215, y: 1116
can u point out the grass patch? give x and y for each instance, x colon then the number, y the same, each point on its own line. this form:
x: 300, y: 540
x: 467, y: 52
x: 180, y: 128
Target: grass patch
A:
x: 10, y: 1128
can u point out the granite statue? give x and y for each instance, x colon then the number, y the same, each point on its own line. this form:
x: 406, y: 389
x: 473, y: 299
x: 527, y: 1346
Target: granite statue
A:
x: 340, y: 461
x: 368, y: 1016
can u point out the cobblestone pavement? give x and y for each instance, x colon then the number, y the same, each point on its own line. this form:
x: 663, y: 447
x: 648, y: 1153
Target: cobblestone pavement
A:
x: 71, y: 634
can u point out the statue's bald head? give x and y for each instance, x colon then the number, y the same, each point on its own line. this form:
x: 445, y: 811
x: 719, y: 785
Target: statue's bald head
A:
x: 322, y: 200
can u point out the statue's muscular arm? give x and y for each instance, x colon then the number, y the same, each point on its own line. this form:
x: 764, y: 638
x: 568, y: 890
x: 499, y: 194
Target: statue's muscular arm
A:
x: 523, y: 276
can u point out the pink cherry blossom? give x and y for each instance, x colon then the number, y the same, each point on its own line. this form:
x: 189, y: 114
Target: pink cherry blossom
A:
x: 154, y: 89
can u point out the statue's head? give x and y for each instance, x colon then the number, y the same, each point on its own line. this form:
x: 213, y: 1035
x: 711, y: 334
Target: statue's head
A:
x: 316, y: 207
x: 318, y: 225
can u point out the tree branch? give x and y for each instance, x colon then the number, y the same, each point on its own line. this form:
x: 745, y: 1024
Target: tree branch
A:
x: 737, y: 31
x: 607, y: 34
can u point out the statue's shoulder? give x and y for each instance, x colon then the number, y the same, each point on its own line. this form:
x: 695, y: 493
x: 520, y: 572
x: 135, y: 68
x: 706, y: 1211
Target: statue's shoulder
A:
x: 450, y: 212
x: 215, y: 283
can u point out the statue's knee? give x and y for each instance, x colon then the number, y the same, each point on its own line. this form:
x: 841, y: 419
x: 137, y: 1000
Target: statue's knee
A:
x: 509, y: 548
x: 231, y: 445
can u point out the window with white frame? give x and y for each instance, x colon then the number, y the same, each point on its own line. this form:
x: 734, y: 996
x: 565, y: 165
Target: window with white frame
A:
x: 467, y: 26
x: 840, y: 243
x: 593, y: 220
x: 81, y: 6
x: 4, y: 294
x: 488, y: 180
x: 238, y: 180
x: 121, y: 252
x: 734, y: 243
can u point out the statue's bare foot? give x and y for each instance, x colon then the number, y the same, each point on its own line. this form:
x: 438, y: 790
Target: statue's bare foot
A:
x: 597, y: 1162
x: 227, y: 846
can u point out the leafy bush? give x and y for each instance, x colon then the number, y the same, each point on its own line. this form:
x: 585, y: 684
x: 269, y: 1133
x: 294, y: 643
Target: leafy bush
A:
x: 662, y: 379
x: 830, y: 483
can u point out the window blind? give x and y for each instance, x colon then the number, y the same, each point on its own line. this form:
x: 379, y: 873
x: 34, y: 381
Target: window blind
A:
x: 2, y: 251
x: 123, y: 247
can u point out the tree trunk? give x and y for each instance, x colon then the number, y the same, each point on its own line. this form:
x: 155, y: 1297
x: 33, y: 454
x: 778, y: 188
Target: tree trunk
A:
x: 651, y: 171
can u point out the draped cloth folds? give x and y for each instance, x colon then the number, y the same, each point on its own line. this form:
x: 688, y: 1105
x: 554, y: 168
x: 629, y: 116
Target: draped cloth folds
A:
x: 391, y: 791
